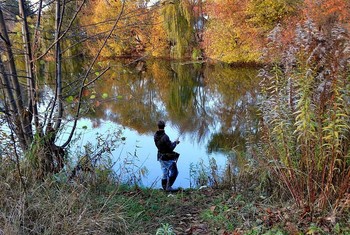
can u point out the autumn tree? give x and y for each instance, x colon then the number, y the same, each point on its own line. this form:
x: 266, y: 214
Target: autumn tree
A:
x: 132, y: 35
x: 327, y: 13
x: 178, y: 24
x: 266, y: 14
x: 35, y: 120
x: 227, y: 36
x: 158, y: 41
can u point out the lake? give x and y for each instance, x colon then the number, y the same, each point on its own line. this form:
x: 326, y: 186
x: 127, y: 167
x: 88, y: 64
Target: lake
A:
x: 211, y: 108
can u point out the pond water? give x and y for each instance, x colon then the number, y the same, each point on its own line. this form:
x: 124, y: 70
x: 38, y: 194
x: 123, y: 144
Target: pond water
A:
x: 211, y: 108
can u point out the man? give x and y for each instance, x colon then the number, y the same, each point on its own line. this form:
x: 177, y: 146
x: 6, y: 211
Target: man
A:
x: 166, y: 156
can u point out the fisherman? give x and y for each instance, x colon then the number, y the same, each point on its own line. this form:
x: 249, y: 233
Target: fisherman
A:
x: 166, y: 156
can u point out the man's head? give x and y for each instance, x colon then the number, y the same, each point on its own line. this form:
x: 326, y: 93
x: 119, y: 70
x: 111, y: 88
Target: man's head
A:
x: 161, y: 124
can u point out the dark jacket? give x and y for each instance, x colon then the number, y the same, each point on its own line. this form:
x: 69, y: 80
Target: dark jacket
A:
x: 164, y: 145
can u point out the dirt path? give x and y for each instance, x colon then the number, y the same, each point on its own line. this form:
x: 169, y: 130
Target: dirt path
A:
x: 188, y: 221
x: 186, y: 218
x: 187, y: 212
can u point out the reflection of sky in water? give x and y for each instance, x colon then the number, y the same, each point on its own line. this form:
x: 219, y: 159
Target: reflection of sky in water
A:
x: 190, y: 151
x: 208, y: 113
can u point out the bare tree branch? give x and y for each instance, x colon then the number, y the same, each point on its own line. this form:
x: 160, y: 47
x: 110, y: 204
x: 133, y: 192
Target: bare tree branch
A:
x: 63, y: 34
x: 88, y: 72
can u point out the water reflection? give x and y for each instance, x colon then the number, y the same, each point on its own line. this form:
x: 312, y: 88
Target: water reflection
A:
x: 212, y: 107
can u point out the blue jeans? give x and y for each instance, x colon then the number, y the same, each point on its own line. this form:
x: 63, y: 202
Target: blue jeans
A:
x: 169, y: 169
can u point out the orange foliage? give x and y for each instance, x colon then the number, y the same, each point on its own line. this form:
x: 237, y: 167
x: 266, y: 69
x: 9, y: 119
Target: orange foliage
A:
x: 228, y: 36
x: 327, y: 12
x: 158, y: 41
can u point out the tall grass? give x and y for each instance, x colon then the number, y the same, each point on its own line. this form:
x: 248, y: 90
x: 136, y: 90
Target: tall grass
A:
x: 51, y: 207
x: 305, y: 110
x: 61, y: 203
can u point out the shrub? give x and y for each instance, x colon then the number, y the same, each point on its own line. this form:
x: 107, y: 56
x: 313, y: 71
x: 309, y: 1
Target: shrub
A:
x: 305, y: 116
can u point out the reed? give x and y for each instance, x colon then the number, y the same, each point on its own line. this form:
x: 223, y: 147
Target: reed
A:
x: 305, y: 116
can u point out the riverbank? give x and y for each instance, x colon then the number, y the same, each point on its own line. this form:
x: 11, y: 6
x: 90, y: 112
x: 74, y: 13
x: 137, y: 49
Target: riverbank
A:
x: 56, y: 207
x: 221, y: 211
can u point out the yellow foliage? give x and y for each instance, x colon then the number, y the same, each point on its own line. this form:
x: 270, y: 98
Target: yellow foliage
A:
x: 159, y: 45
x: 99, y: 18
x: 227, y: 37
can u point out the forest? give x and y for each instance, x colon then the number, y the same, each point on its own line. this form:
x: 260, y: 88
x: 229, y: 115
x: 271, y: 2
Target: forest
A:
x: 298, y: 162
x: 223, y: 30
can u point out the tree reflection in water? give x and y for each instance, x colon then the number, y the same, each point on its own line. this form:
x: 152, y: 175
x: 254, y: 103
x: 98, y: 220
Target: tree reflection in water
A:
x: 211, y: 106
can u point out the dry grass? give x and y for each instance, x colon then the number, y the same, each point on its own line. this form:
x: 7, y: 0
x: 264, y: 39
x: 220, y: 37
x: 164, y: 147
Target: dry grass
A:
x: 51, y: 207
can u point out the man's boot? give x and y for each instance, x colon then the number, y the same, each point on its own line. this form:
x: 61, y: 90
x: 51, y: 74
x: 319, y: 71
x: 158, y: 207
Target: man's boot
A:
x: 164, y: 183
x: 172, y: 180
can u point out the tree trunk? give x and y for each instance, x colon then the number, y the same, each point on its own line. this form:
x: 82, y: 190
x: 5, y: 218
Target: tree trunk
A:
x: 58, y: 65
x: 13, y: 91
x: 29, y: 64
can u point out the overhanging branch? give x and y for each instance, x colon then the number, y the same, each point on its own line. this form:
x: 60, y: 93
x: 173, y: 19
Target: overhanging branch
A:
x: 88, y: 72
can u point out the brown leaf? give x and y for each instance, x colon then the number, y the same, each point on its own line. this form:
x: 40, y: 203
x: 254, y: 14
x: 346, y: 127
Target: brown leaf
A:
x: 189, y: 230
